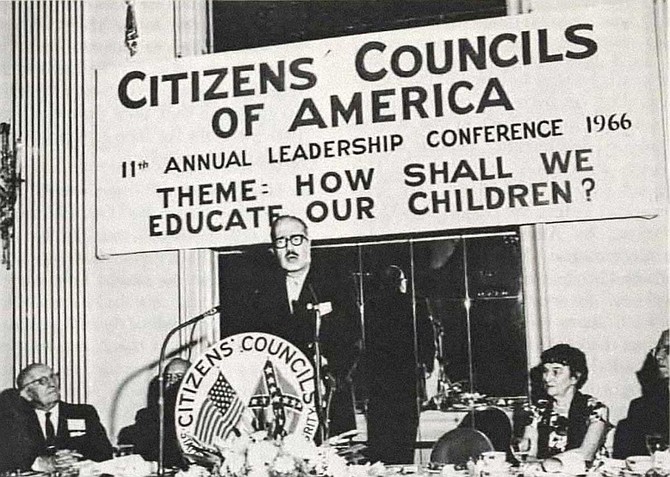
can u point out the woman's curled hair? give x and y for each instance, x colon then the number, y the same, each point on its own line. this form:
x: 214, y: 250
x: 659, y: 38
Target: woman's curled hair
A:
x: 568, y: 356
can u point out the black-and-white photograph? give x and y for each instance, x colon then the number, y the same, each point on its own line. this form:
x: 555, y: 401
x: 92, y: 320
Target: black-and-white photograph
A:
x: 334, y: 238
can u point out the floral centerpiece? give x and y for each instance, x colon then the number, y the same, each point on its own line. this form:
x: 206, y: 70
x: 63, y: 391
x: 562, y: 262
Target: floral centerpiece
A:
x: 453, y: 395
x: 260, y: 455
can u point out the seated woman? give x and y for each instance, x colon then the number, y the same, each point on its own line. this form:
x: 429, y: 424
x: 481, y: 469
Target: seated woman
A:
x: 567, y: 421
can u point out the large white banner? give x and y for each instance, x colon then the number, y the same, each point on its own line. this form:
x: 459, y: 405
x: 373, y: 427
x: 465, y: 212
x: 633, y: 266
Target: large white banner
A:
x: 525, y: 119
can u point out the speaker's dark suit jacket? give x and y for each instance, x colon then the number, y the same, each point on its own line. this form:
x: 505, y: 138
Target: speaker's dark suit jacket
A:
x: 22, y: 440
x: 266, y: 309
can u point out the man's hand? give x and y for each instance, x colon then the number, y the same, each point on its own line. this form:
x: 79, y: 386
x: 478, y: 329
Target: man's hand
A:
x: 44, y: 463
x: 65, y: 462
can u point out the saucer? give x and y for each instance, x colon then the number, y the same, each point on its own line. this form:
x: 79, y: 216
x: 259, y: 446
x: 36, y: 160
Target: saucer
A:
x: 496, y: 469
x: 497, y: 466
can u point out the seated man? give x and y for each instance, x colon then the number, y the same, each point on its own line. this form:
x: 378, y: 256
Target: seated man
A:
x: 647, y: 414
x: 143, y: 435
x: 35, y: 423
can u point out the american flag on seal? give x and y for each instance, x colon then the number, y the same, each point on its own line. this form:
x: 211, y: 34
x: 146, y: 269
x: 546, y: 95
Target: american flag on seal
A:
x: 220, y: 411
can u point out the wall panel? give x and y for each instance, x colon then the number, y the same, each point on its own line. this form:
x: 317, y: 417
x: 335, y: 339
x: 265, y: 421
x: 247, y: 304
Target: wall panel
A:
x: 49, y: 317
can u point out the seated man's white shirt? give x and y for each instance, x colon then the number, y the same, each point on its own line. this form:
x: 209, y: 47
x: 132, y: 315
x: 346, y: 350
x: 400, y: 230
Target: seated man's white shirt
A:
x: 40, y: 465
x: 42, y: 418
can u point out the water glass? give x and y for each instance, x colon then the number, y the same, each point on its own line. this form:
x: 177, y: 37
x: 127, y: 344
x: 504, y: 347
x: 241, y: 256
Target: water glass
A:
x: 521, y: 449
x: 655, y: 443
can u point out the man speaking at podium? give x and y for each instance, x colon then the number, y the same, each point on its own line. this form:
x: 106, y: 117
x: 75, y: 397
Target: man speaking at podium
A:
x: 285, y: 304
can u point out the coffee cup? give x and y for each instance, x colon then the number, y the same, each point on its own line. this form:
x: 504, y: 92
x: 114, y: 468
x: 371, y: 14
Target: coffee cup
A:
x: 639, y: 463
x: 494, y: 458
x: 495, y: 471
x: 661, y: 460
x: 449, y: 470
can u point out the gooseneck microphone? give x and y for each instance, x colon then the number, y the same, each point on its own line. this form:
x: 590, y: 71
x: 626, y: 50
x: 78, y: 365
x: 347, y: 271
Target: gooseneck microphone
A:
x: 161, y: 387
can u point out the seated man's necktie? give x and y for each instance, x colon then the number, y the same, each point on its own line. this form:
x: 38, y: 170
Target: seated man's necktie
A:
x: 49, y: 429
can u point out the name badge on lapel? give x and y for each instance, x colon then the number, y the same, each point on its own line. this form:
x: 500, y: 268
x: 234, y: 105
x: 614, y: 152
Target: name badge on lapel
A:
x: 325, y: 308
x: 76, y: 427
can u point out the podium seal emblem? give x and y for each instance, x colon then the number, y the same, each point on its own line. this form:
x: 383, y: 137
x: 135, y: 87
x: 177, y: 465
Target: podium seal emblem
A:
x: 244, y: 383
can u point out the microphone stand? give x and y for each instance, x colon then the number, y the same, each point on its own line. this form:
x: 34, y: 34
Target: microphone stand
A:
x: 323, y: 428
x: 161, y: 389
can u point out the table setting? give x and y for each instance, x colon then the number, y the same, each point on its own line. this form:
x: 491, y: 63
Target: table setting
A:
x: 258, y: 455
x: 494, y: 464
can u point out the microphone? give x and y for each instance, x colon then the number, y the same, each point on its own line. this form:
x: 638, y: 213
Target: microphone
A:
x: 210, y: 312
x: 161, y: 387
x: 313, y: 293
x: 316, y: 306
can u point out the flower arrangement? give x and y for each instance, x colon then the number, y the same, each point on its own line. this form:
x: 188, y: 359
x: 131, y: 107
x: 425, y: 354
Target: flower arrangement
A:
x: 453, y: 395
x: 259, y: 455
x: 10, y: 183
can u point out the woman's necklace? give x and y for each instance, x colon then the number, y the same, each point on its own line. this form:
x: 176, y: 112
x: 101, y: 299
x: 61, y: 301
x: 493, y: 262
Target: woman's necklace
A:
x: 562, y: 409
x: 562, y: 404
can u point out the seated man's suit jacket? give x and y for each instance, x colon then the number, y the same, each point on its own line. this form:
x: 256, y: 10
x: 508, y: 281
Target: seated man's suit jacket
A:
x: 22, y: 440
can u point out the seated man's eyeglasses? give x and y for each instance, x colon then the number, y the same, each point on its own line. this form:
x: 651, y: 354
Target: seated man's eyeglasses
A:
x: 660, y: 351
x: 282, y: 242
x: 172, y: 378
x: 43, y: 381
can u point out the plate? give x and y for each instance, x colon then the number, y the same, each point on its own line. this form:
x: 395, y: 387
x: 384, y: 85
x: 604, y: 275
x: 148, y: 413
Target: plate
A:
x: 402, y: 469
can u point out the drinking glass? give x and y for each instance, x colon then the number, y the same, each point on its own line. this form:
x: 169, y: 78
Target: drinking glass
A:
x: 124, y: 449
x: 521, y: 449
x: 655, y: 442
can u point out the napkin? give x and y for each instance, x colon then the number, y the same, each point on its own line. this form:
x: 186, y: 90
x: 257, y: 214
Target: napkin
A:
x: 126, y: 466
x: 565, y: 463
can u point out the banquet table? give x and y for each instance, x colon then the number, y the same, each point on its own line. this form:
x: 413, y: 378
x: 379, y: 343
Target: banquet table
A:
x: 433, y: 424
x: 605, y: 468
